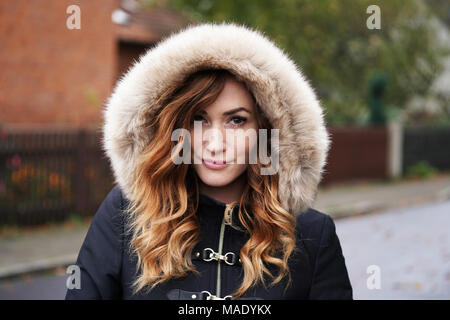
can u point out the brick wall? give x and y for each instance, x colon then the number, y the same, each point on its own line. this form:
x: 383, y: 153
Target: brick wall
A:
x: 50, y: 74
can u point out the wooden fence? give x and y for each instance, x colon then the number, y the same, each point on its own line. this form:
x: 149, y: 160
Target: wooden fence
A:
x: 429, y: 144
x: 49, y: 176
x: 357, y: 153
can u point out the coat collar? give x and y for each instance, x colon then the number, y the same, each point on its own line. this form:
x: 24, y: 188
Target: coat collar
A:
x: 213, y: 209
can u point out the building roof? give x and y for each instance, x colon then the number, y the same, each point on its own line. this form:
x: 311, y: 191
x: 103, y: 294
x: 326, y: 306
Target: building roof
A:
x: 147, y: 25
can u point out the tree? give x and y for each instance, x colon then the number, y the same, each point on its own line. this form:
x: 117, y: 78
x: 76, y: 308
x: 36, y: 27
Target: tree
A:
x: 330, y: 42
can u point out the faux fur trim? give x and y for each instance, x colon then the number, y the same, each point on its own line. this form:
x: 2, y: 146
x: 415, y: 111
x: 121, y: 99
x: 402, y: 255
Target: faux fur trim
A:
x: 283, y: 93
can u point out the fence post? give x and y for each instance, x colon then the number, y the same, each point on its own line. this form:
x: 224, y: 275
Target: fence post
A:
x: 395, y: 149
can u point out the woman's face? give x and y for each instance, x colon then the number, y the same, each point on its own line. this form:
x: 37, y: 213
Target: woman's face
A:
x: 233, y: 109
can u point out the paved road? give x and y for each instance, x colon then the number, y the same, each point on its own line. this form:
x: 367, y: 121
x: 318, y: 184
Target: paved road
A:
x: 411, y: 248
x: 34, y: 287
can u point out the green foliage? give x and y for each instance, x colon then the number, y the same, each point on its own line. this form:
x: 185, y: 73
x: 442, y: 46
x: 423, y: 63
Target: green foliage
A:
x: 330, y: 42
x: 76, y: 220
x: 421, y: 169
x: 92, y: 97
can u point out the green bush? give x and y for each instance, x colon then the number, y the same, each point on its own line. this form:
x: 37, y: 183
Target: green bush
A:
x: 421, y: 169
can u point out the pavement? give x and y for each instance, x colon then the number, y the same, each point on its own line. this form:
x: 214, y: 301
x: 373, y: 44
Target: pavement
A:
x: 399, y: 254
x: 58, y: 247
x: 358, y: 198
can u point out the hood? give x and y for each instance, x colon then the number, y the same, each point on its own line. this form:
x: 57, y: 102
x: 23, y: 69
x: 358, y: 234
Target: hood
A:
x: 284, y: 95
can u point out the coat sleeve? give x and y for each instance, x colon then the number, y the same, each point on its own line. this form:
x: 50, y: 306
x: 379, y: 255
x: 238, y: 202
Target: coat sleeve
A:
x: 330, y: 277
x: 99, y: 259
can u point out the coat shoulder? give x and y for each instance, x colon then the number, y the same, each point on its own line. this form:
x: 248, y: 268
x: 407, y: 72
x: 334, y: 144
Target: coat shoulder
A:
x: 330, y: 279
x: 111, y: 211
x: 100, y: 256
x: 114, y: 201
x: 312, y: 223
x: 115, y: 196
x: 315, y: 230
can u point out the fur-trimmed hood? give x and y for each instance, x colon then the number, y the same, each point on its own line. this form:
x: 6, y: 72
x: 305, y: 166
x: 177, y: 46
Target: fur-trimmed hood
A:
x: 282, y: 92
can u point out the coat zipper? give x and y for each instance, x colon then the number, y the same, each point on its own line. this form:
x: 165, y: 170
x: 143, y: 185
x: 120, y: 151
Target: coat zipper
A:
x: 229, y: 207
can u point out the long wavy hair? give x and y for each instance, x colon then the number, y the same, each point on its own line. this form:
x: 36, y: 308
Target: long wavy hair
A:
x: 162, y: 219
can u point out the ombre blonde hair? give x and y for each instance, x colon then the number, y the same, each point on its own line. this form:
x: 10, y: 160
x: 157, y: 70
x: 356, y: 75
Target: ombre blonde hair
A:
x: 162, y: 220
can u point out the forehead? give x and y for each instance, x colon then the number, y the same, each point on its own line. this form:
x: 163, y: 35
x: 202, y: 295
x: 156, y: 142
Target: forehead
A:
x: 233, y: 95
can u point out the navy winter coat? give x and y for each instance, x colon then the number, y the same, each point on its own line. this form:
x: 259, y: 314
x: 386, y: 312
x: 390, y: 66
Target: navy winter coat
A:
x: 317, y: 266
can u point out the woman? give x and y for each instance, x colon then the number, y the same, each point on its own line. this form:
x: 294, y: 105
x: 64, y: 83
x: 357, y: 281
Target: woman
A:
x: 188, y: 218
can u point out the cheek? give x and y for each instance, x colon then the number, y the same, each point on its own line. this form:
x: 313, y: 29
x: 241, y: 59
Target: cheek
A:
x: 245, y: 145
x: 195, y: 141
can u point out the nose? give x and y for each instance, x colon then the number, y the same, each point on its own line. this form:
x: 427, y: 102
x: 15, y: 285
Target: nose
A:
x: 213, y: 141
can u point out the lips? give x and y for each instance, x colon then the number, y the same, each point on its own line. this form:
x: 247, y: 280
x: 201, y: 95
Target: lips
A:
x: 214, y: 164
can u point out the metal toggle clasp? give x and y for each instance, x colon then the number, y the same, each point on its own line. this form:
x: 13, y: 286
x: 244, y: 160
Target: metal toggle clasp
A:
x: 209, y: 255
x: 213, y: 297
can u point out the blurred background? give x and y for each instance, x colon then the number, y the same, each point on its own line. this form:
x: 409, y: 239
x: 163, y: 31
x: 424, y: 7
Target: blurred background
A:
x: 385, y: 92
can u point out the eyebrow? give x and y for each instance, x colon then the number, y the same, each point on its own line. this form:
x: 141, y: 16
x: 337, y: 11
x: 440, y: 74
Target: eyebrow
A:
x: 229, y: 112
